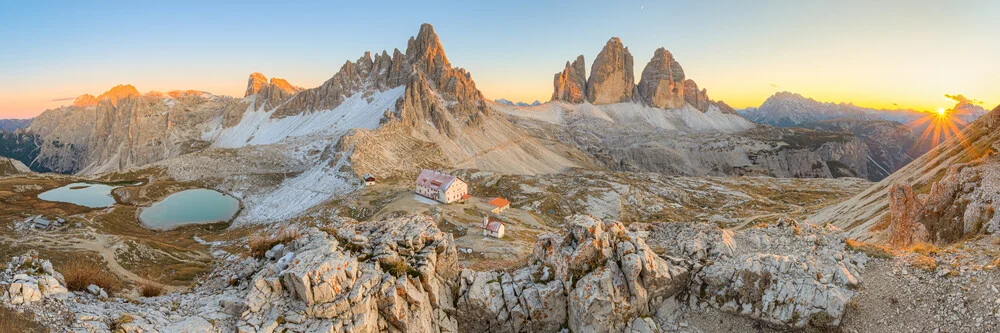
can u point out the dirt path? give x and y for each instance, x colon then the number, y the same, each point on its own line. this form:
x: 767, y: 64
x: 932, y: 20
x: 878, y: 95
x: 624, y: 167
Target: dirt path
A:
x: 89, y: 241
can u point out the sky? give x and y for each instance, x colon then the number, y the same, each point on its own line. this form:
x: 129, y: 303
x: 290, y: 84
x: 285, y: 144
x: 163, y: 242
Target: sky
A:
x: 882, y: 54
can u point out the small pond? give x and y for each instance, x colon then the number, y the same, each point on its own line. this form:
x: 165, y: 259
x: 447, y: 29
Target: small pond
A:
x: 198, y: 206
x: 82, y: 194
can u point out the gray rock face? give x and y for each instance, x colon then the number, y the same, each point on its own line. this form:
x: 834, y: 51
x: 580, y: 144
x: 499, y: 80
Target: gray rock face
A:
x: 125, y: 129
x: 269, y: 94
x: 697, y: 98
x: 30, y: 279
x: 662, y: 82
x: 611, y: 76
x: 9, y: 166
x: 593, y: 275
x: 393, y: 275
x: 570, y: 85
x: 789, y: 274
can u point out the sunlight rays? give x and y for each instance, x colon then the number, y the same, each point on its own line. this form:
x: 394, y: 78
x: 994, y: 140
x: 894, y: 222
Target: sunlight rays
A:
x: 938, y: 128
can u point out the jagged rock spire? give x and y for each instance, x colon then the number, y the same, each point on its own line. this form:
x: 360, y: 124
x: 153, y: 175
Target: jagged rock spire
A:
x: 256, y: 81
x: 662, y: 82
x: 425, y: 50
x: 270, y: 93
x: 570, y: 85
x: 611, y: 76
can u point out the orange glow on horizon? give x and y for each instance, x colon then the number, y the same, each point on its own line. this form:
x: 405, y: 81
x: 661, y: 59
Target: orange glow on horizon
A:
x: 940, y: 127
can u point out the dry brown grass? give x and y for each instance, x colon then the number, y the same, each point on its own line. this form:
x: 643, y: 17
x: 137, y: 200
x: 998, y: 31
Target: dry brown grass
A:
x: 149, y: 289
x: 924, y: 262
x: 925, y: 249
x: 869, y: 249
x: 81, y: 274
x: 259, y: 245
x: 13, y: 321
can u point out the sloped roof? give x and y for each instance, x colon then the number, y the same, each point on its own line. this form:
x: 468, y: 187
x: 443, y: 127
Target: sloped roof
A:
x: 494, y: 225
x: 434, y: 180
x: 499, y: 202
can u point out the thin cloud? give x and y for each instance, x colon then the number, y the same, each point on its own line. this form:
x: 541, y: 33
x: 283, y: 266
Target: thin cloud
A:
x: 961, y: 99
x: 61, y: 99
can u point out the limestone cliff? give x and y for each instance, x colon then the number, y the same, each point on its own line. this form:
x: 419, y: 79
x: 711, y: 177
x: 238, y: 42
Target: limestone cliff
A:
x: 611, y: 76
x: 570, y: 85
x: 662, y: 84
x: 125, y: 129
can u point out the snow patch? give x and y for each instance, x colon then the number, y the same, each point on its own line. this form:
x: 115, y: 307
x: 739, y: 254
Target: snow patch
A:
x: 258, y: 128
x: 686, y: 118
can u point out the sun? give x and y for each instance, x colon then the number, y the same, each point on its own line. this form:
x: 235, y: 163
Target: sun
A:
x: 942, y: 111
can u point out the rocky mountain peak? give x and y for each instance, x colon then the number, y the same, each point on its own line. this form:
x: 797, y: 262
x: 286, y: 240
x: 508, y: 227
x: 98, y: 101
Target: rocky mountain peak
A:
x: 425, y: 50
x: 85, y: 100
x: 272, y: 92
x: 424, y: 56
x: 611, y: 76
x: 256, y: 81
x: 662, y: 84
x: 284, y: 86
x: 113, y: 95
x: 571, y: 84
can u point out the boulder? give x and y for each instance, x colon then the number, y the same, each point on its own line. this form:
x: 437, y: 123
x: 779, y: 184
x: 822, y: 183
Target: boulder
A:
x: 31, y: 279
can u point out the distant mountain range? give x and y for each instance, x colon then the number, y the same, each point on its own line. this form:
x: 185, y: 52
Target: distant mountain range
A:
x: 884, y: 131
x: 507, y: 102
x: 944, y: 196
x: 10, y: 125
x: 786, y: 109
x: 390, y: 114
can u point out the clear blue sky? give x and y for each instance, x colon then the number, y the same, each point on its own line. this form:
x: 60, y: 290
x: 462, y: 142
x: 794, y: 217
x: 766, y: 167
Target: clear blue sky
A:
x: 905, y: 52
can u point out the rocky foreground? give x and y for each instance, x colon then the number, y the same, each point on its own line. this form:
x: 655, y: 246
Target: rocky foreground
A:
x: 403, y: 275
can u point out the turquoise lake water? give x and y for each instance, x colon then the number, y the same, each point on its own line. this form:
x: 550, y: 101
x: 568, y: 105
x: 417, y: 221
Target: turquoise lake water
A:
x: 199, y: 206
x: 83, y: 194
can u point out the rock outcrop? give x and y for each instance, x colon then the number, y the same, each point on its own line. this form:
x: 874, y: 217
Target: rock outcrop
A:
x: 256, y: 81
x: 662, y: 84
x: 269, y: 94
x: 697, y: 98
x: 593, y: 276
x: 394, y: 275
x: 904, y: 209
x: 611, y: 76
x: 570, y: 85
x: 789, y: 274
x: 30, y: 280
x: 9, y: 167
